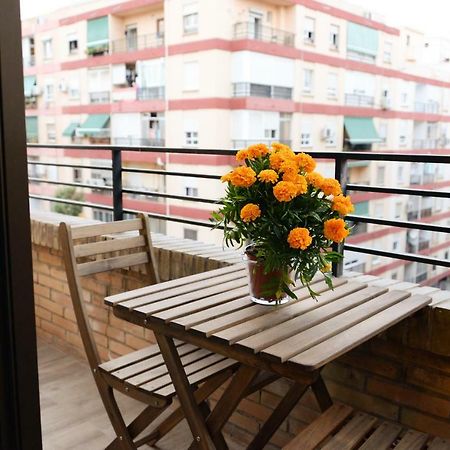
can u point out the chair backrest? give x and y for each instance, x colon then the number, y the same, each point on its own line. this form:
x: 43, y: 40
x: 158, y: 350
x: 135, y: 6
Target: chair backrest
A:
x: 96, y: 257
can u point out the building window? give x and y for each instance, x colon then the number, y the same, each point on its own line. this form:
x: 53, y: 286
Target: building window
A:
x: 400, y: 174
x: 305, y: 135
x: 73, y: 88
x: 191, y: 76
x: 396, y: 244
x: 160, y: 28
x: 102, y: 216
x: 332, y: 85
x: 387, y: 53
x: 191, y: 138
x: 191, y: 187
x: 190, y: 18
x: 330, y: 135
x: 49, y: 92
x: 398, y: 210
x: 404, y: 99
x: 334, y: 37
x: 308, y: 80
x: 77, y: 175
x: 380, y: 175
x: 73, y: 43
x: 270, y: 134
x: 47, y: 48
x: 403, y: 132
x: 189, y: 233
x: 382, y: 131
x: 51, y: 133
x: 309, y: 30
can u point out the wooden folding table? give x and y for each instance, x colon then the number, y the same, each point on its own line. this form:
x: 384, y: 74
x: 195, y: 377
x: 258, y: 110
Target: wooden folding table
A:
x: 212, y: 310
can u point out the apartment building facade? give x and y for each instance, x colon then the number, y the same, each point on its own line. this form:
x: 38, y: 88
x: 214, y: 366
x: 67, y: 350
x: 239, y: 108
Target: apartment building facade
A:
x: 228, y: 73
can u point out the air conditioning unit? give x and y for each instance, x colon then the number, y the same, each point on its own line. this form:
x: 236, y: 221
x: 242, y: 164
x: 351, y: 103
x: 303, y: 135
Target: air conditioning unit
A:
x: 326, y: 133
x: 385, y: 102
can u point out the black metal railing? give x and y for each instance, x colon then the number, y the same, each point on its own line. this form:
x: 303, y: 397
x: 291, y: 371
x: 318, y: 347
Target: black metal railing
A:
x: 251, y: 30
x: 341, y: 160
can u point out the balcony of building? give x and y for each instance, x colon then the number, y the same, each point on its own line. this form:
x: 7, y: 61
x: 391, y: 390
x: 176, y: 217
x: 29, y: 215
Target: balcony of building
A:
x: 99, y: 97
x: 261, y: 90
x: 258, y: 32
x: 150, y: 93
x: 359, y: 100
x: 133, y: 42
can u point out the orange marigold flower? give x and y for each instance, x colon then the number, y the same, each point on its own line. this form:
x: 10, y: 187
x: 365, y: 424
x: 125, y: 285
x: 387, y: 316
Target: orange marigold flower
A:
x: 299, y: 238
x: 250, y: 212
x: 314, y: 179
x: 243, y: 176
x: 276, y: 160
x: 330, y: 186
x: 326, y: 268
x: 306, y: 162
x: 241, y: 155
x: 301, y: 184
x: 225, y: 178
x: 268, y: 176
x: 335, y: 230
x: 342, y: 204
x: 277, y: 146
x: 285, y: 191
x: 257, y: 150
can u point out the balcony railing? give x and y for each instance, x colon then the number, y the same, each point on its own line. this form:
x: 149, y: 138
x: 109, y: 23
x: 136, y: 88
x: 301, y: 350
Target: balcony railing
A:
x: 250, y: 30
x: 340, y: 158
x: 99, y: 97
x: 152, y: 142
x: 150, y: 93
x: 430, y: 107
x: 261, y: 90
x: 359, y: 100
x: 134, y: 43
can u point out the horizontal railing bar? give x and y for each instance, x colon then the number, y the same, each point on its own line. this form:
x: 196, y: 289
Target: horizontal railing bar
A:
x: 172, y: 196
x: 363, y: 156
x: 68, y: 183
x: 167, y: 172
x: 401, y: 191
x: 178, y: 219
x: 71, y: 202
x: 73, y: 166
x: 400, y: 224
x: 404, y: 256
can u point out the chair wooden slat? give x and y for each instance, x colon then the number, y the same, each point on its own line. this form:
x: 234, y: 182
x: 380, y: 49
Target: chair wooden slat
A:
x: 136, y: 294
x: 352, y: 433
x: 439, y: 444
x: 312, y: 436
x: 87, y: 231
x: 130, y: 358
x: 109, y: 245
x: 323, y: 330
x: 321, y: 353
x: 412, y: 440
x: 117, y: 262
x: 383, y: 437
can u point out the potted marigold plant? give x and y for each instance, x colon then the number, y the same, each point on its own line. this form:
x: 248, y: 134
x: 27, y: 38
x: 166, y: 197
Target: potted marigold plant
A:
x: 286, y: 215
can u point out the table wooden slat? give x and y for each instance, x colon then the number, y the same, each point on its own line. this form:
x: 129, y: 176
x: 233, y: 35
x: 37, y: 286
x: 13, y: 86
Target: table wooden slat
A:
x: 334, y: 346
x: 288, y: 348
x: 185, y: 281
x: 309, y: 316
x: 284, y: 316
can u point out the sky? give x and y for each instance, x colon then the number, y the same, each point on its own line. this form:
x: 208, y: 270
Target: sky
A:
x: 430, y: 16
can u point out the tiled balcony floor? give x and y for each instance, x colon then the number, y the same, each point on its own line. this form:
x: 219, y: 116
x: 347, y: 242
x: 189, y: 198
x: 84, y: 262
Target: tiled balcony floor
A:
x: 73, y: 416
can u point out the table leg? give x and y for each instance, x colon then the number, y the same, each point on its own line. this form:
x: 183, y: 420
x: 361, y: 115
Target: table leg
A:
x: 229, y: 400
x: 321, y: 393
x: 192, y: 412
x: 278, y: 416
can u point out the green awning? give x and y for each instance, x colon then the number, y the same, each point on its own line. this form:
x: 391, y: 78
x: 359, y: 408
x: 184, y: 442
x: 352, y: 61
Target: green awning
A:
x: 360, y: 130
x: 97, y: 32
x: 28, y: 85
x: 361, y: 209
x: 70, y: 130
x: 31, y: 125
x: 362, y: 39
x: 93, y: 125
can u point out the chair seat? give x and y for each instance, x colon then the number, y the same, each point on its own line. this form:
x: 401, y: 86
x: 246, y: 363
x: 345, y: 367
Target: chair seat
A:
x: 145, y: 371
x: 343, y: 428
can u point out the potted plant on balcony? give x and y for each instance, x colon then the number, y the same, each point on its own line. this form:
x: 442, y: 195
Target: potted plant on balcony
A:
x: 286, y: 215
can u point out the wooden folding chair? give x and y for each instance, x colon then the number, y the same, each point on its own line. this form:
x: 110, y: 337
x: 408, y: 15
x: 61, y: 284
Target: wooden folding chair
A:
x: 142, y: 374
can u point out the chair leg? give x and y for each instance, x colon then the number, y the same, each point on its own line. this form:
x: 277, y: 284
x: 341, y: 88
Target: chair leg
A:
x: 115, y: 416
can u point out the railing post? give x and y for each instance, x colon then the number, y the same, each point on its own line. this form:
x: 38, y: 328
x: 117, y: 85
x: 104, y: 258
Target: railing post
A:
x: 340, y: 173
x: 117, y: 184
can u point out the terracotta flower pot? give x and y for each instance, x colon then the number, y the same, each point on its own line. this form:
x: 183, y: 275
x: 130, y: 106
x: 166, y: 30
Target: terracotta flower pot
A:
x: 264, y: 286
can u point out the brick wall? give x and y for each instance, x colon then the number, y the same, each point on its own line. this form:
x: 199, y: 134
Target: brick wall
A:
x: 403, y: 375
